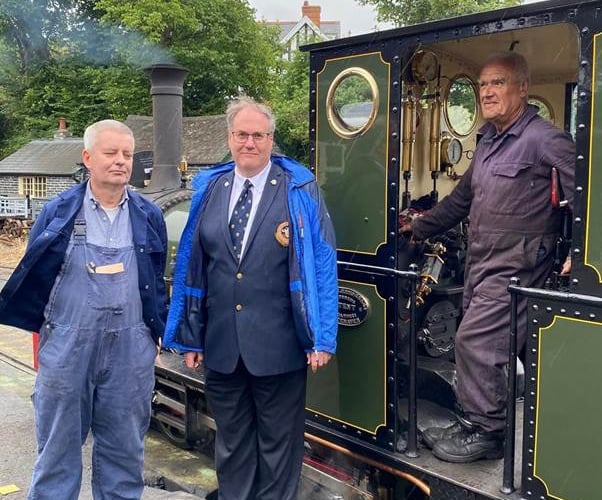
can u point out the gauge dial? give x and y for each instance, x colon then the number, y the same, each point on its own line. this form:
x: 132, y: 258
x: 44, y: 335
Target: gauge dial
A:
x: 451, y: 151
x: 425, y: 66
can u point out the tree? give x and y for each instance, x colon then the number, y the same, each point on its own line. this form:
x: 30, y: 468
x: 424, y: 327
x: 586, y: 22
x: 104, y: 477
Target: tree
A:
x: 290, y: 104
x: 226, y: 51
x: 84, y: 59
x: 407, y: 12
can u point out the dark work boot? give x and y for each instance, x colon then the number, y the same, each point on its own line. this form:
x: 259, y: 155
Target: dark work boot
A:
x: 470, y: 445
x: 433, y: 434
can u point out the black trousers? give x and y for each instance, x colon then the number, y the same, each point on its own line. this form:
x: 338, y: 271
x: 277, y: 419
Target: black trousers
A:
x: 260, y: 423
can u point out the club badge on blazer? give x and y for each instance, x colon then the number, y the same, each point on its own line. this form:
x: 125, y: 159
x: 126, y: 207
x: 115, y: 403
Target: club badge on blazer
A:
x: 281, y: 233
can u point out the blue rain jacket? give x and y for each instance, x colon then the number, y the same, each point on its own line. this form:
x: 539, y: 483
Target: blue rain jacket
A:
x: 312, y: 264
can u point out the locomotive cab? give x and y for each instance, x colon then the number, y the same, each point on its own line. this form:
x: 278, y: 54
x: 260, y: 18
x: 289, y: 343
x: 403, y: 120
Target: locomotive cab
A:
x: 395, y: 129
x: 394, y: 121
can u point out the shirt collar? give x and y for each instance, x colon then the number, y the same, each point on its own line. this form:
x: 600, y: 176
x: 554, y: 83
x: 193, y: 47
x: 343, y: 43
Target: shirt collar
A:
x: 489, y: 132
x: 96, y: 204
x: 257, y: 180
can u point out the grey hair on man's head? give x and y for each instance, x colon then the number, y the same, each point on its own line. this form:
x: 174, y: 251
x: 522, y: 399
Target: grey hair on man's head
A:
x: 91, y: 133
x: 244, y: 102
x: 514, y: 61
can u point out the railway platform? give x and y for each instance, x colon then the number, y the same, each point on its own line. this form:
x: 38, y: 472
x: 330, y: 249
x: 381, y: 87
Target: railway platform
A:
x: 170, y: 472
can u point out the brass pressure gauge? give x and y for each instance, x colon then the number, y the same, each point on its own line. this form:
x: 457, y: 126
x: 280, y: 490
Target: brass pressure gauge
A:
x: 425, y: 66
x: 451, y: 151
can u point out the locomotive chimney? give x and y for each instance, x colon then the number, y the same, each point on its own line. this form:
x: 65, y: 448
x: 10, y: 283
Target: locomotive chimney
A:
x: 167, y: 89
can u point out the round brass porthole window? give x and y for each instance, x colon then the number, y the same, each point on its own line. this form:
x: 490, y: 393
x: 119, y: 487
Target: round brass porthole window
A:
x: 461, y: 105
x: 352, y: 102
x: 545, y: 108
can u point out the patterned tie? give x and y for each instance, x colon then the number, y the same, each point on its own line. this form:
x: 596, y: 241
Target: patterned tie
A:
x: 240, y: 217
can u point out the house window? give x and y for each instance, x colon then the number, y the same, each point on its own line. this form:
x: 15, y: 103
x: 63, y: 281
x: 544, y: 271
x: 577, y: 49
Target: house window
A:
x: 34, y: 187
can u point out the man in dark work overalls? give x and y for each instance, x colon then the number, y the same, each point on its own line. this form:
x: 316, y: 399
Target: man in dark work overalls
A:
x: 512, y: 232
x: 91, y: 282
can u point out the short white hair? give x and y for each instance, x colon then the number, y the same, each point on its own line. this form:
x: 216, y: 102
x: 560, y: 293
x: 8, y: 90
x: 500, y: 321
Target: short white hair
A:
x: 91, y: 133
x: 244, y: 102
x: 515, y: 62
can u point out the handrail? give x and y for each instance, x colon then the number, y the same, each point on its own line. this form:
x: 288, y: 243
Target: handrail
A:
x: 510, y: 430
x: 510, y: 426
x: 412, y: 443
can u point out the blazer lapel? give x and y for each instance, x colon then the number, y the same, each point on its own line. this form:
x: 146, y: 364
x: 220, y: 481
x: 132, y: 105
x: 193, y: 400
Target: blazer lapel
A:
x: 225, y: 190
x: 273, y: 183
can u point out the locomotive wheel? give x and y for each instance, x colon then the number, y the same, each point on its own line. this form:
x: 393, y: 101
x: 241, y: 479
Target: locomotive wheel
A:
x: 174, y: 435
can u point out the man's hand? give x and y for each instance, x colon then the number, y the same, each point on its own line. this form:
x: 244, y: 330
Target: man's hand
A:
x: 405, y: 228
x: 318, y: 359
x: 193, y: 359
x: 566, y: 267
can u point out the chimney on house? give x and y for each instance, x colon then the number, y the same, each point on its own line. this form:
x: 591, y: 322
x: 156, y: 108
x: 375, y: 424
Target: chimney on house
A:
x: 62, y: 132
x: 312, y: 12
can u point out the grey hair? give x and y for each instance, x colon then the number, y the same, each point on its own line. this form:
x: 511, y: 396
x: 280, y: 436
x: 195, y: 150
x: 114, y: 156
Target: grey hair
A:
x: 91, y: 133
x: 514, y: 61
x: 244, y: 102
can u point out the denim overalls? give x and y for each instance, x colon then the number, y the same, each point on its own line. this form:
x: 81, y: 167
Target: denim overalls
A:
x: 96, y: 371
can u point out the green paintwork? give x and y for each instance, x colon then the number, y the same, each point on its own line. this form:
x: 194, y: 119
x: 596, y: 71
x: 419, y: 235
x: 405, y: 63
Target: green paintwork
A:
x: 175, y: 219
x: 593, y: 255
x: 351, y: 388
x: 568, y: 450
x: 352, y: 171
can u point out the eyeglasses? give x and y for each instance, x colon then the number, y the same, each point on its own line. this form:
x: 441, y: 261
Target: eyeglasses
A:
x: 258, y: 137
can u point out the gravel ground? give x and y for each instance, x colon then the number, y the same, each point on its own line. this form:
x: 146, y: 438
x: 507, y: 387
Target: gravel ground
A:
x: 11, y: 252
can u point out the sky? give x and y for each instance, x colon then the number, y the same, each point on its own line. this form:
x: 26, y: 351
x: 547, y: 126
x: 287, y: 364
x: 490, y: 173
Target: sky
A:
x: 355, y: 19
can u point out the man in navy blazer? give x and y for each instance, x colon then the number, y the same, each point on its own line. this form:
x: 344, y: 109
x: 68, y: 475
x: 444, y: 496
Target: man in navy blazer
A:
x: 255, y: 302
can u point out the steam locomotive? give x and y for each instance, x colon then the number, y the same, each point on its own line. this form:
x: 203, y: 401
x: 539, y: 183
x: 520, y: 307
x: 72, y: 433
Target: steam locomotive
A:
x: 393, y: 121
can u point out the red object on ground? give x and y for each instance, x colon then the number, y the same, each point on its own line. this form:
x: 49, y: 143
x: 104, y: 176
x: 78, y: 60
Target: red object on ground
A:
x: 36, y: 342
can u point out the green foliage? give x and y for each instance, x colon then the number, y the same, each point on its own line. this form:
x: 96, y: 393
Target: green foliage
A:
x: 83, y: 59
x: 290, y: 104
x: 226, y: 51
x: 407, y: 12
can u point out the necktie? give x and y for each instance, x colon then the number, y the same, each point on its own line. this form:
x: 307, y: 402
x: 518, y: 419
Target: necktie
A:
x: 240, y: 217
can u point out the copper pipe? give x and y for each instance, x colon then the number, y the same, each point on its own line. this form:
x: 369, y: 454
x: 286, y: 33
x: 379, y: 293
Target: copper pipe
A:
x: 422, y: 486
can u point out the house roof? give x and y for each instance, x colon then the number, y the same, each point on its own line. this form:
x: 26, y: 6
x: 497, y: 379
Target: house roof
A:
x: 61, y: 157
x: 204, y: 138
x: 328, y: 30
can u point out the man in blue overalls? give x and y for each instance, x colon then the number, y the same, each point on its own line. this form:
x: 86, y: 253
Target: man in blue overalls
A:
x: 91, y: 282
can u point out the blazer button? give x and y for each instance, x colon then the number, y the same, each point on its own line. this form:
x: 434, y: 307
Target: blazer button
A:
x: 238, y: 307
x: 238, y: 276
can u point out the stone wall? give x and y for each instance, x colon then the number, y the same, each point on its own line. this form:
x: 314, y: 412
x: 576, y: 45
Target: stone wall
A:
x: 56, y: 185
x: 9, y: 185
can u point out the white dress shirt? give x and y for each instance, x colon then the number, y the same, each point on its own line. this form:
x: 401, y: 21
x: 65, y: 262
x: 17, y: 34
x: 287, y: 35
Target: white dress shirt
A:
x: 258, y: 182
